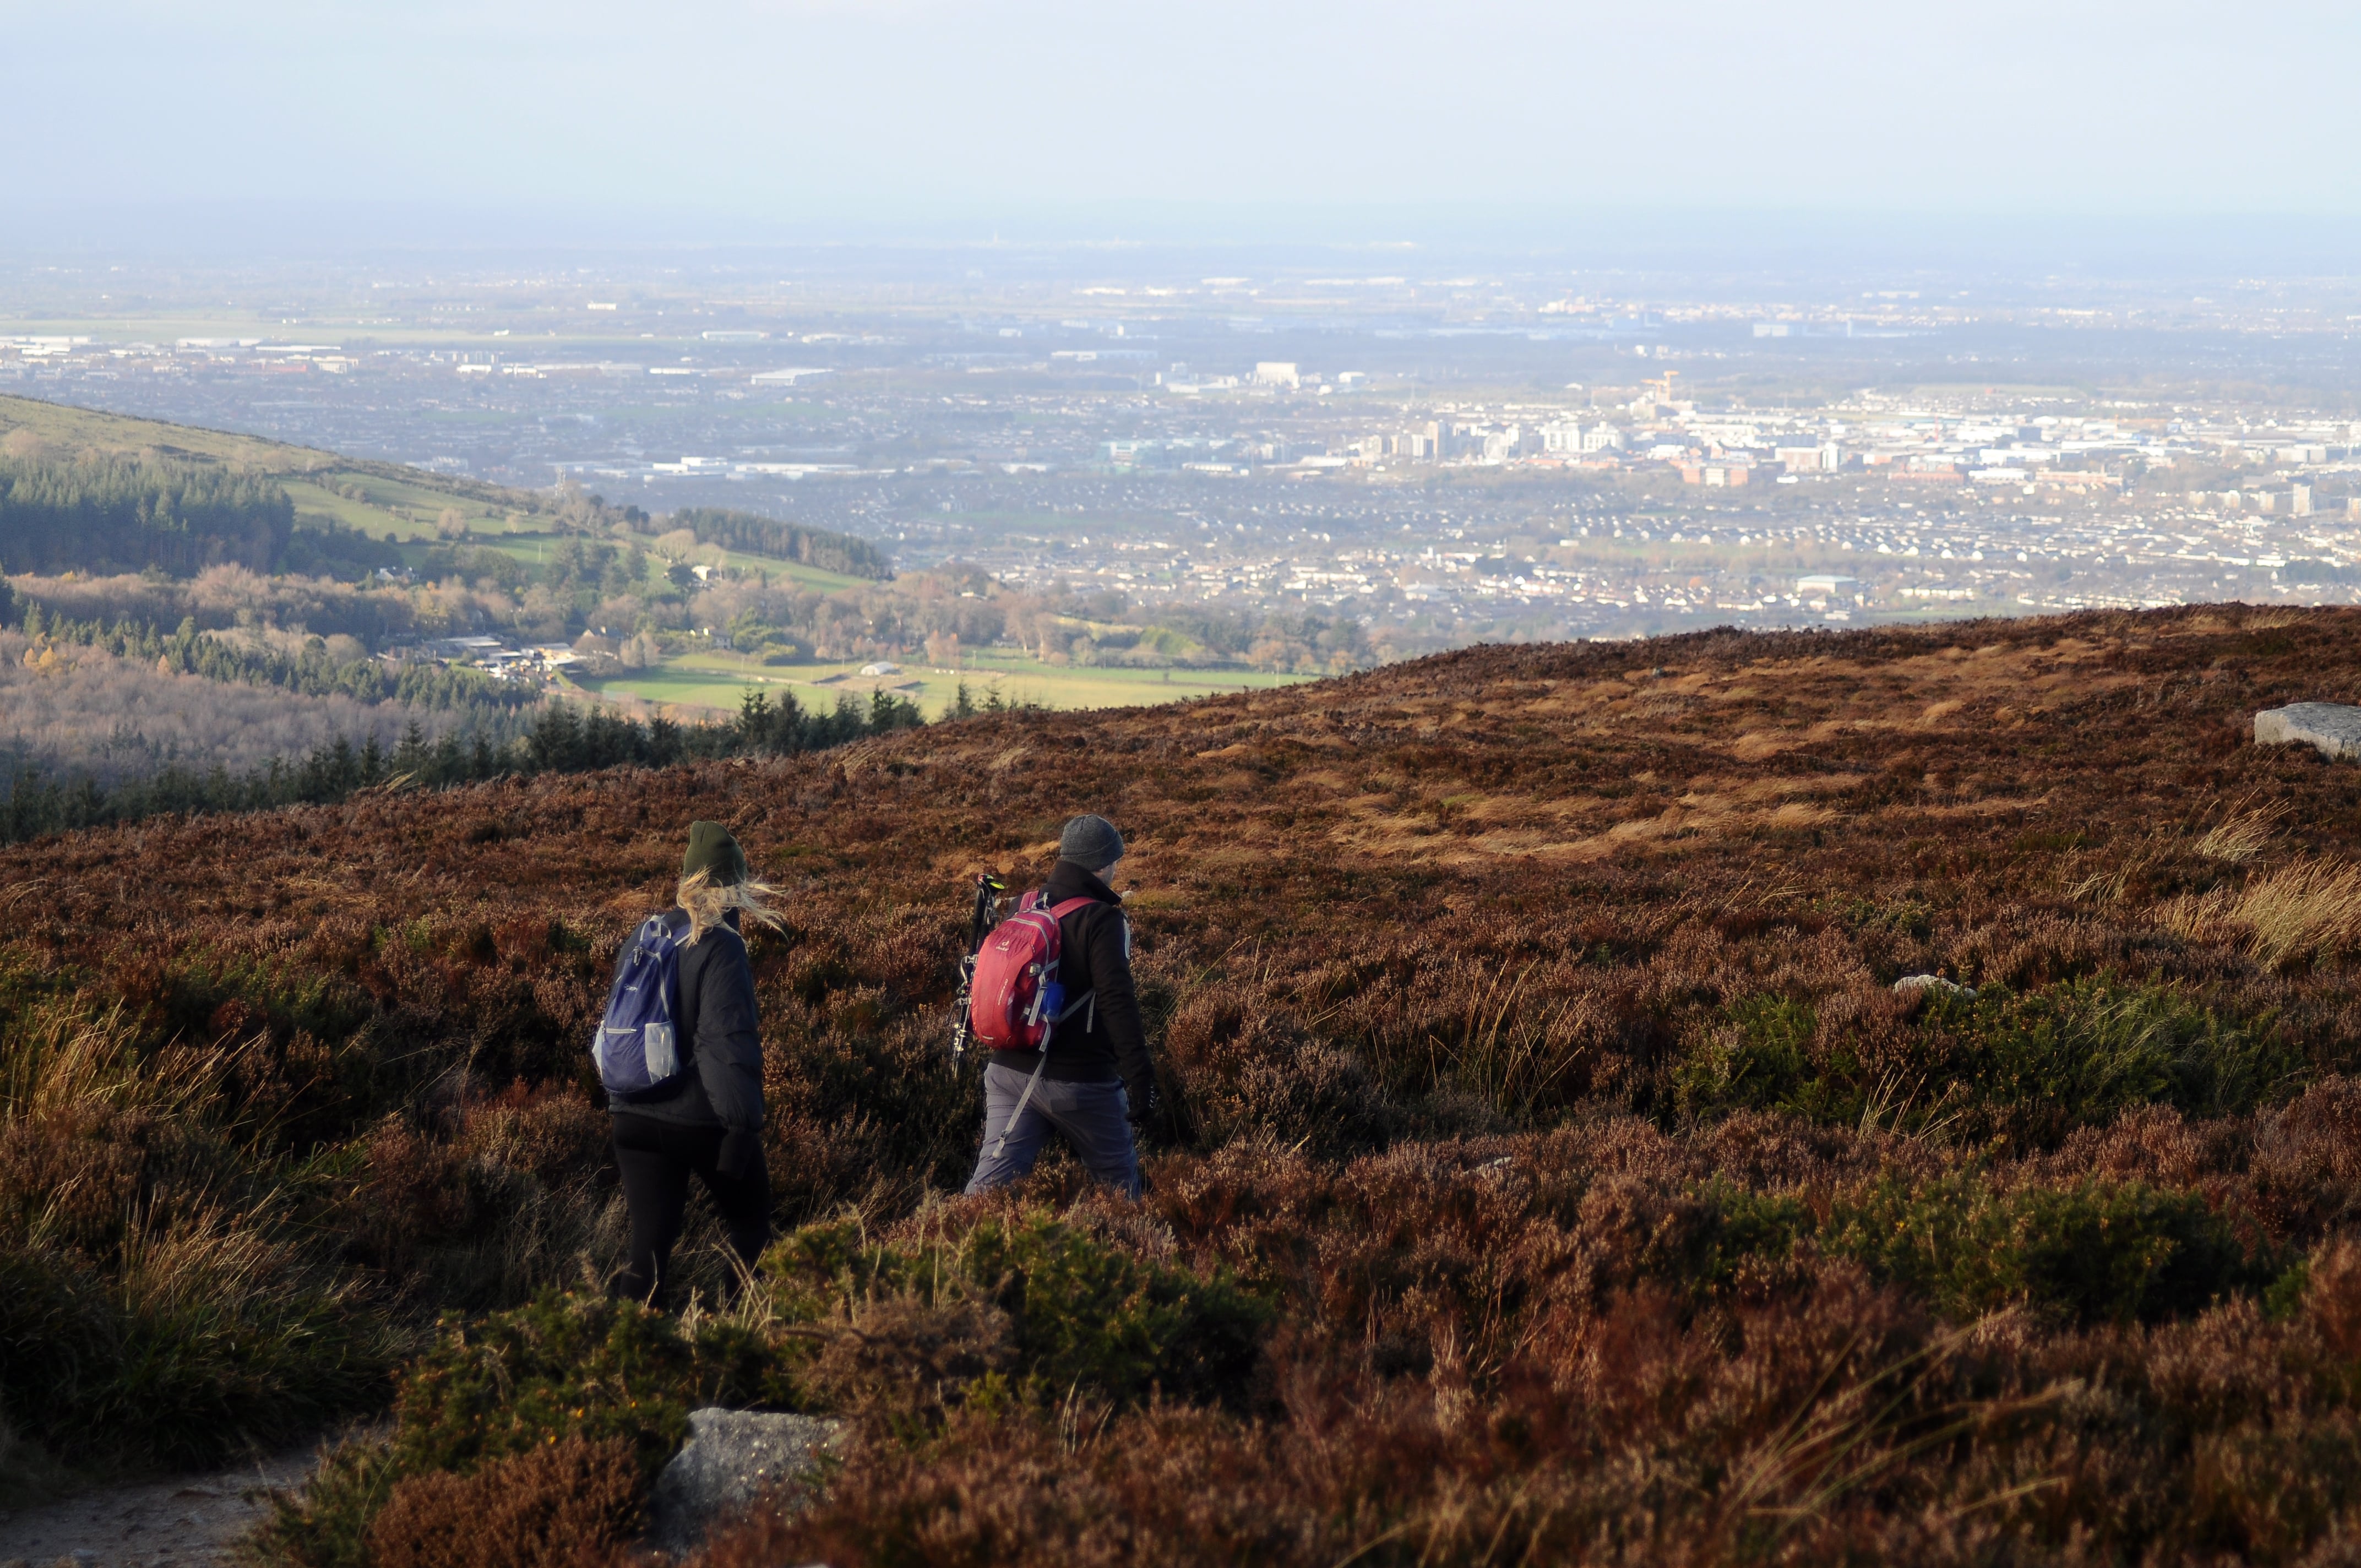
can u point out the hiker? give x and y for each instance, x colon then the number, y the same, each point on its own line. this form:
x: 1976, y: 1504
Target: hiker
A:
x: 1096, y: 1084
x: 701, y: 1109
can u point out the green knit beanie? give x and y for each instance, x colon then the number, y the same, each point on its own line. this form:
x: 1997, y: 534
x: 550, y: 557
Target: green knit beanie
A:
x: 712, y: 850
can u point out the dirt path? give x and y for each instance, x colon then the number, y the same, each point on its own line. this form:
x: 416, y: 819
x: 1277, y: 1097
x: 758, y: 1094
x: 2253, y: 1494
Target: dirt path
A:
x: 179, y: 1520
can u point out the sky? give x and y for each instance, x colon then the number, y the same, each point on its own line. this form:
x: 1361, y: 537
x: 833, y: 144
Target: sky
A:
x: 740, y: 117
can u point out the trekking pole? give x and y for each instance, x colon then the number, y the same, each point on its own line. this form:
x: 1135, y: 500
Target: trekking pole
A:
x: 980, y: 920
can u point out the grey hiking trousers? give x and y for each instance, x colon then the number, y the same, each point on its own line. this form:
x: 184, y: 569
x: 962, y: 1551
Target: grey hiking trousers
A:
x: 1091, y: 1115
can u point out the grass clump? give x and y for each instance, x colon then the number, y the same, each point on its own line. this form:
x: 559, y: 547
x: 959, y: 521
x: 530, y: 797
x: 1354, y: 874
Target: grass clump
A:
x: 208, y: 1340
x: 1077, y: 1312
x: 2309, y: 912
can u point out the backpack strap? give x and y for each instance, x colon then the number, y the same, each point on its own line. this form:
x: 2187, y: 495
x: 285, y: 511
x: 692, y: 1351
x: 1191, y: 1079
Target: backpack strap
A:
x: 1089, y: 998
x: 1022, y: 1100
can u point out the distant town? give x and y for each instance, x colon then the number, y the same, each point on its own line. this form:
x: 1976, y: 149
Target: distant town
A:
x: 1444, y: 459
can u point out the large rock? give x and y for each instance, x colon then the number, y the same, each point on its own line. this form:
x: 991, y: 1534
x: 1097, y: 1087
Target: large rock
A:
x: 731, y: 1458
x: 2330, y: 726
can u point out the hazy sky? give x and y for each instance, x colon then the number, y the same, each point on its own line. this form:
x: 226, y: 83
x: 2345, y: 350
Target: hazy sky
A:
x: 768, y: 110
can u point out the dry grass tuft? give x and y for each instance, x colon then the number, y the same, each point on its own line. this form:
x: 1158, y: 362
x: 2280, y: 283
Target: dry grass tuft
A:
x: 2308, y: 911
x: 2241, y: 838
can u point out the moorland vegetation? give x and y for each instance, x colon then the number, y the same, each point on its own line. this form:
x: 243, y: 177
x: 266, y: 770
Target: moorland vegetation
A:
x: 1555, y: 1170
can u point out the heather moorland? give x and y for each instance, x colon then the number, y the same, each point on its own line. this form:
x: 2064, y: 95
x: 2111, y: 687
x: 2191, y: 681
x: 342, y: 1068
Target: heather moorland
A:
x: 1553, y: 1170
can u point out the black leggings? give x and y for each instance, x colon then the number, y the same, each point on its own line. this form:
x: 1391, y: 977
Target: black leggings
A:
x: 656, y: 1160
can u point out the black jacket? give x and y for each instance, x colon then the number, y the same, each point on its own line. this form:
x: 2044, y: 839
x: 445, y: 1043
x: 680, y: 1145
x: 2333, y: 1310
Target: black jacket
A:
x: 1101, y: 1041
x: 720, y: 1085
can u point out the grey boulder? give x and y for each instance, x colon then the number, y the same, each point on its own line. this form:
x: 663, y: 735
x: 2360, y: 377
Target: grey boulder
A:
x: 731, y: 1458
x: 2332, y: 727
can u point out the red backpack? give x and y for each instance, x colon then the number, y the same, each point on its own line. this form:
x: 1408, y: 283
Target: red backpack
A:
x: 1016, y: 999
x: 1017, y: 996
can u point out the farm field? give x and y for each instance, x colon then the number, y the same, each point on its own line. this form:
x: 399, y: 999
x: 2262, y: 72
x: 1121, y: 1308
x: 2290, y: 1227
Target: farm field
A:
x: 719, y: 682
x: 1553, y: 1170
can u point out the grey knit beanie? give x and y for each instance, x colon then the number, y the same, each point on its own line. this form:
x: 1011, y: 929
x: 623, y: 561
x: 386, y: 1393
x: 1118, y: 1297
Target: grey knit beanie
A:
x: 1091, y: 842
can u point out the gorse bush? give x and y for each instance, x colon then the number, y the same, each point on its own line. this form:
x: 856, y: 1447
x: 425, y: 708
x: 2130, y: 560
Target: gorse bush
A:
x: 1079, y: 1314
x: 2088, y: 1049
x: 554, y: 1506
x: 2031, y: 1064
x: 2096, y: 1251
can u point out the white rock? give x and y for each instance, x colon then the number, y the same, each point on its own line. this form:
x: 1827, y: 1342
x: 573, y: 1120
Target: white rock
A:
x: 2330, y: 726
x: 731, y: 1458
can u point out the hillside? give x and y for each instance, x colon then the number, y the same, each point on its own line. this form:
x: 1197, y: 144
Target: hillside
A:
x: 1556, y: 1172
x: 326, y: 495
x: 683, y: 612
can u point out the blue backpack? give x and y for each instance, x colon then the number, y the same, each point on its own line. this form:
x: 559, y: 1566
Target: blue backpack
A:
x: 637, y: 1048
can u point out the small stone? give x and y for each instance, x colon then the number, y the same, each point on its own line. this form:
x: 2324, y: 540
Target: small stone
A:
x: 2332, y: 727
x: 731, y: 1458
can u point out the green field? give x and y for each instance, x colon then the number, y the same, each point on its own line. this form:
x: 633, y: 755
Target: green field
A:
x: 720, y: 681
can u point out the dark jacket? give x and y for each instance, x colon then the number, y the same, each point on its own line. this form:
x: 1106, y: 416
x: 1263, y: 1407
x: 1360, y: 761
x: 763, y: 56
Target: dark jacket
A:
x: 720, y: 1085
x: 1101, y: 1041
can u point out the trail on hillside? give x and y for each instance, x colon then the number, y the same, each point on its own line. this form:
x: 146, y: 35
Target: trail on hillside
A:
x: 182, y: 1521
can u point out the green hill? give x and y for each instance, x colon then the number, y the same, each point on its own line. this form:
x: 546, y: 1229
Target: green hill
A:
x: 83, y: 491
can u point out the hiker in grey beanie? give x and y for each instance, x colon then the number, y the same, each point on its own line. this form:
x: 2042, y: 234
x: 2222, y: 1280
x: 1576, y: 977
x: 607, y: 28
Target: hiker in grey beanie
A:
x: 1091, y: 842
x: 1095, y: 1086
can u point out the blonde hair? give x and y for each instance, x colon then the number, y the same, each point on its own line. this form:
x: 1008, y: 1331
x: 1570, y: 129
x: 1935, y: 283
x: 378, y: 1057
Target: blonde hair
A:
x: 707, y: 900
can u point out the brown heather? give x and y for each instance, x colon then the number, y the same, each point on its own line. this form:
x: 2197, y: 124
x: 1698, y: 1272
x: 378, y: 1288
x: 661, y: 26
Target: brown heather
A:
x: 1529, y: 1023
x: 569, y: 1503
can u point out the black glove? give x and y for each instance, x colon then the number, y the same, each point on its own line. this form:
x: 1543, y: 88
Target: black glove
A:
x: 741, y: 1153
x: 1144, y: 1101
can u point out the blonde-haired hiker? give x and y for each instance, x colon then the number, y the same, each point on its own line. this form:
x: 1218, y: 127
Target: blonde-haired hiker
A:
x: 684, y: 1072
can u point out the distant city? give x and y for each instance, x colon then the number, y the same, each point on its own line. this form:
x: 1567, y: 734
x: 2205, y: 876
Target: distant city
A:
x: 1447, y: 459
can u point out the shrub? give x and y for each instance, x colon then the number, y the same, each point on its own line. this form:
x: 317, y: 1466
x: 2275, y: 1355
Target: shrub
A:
x: 605, y: 1376
x: 1758, y: 1058
x: 553, y: 1507
x: 1082, y: 1313
x: 573, y: 1366
x: 2031, y: 1064
x: 2092, y: 1253
x: 2077, y: 1053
